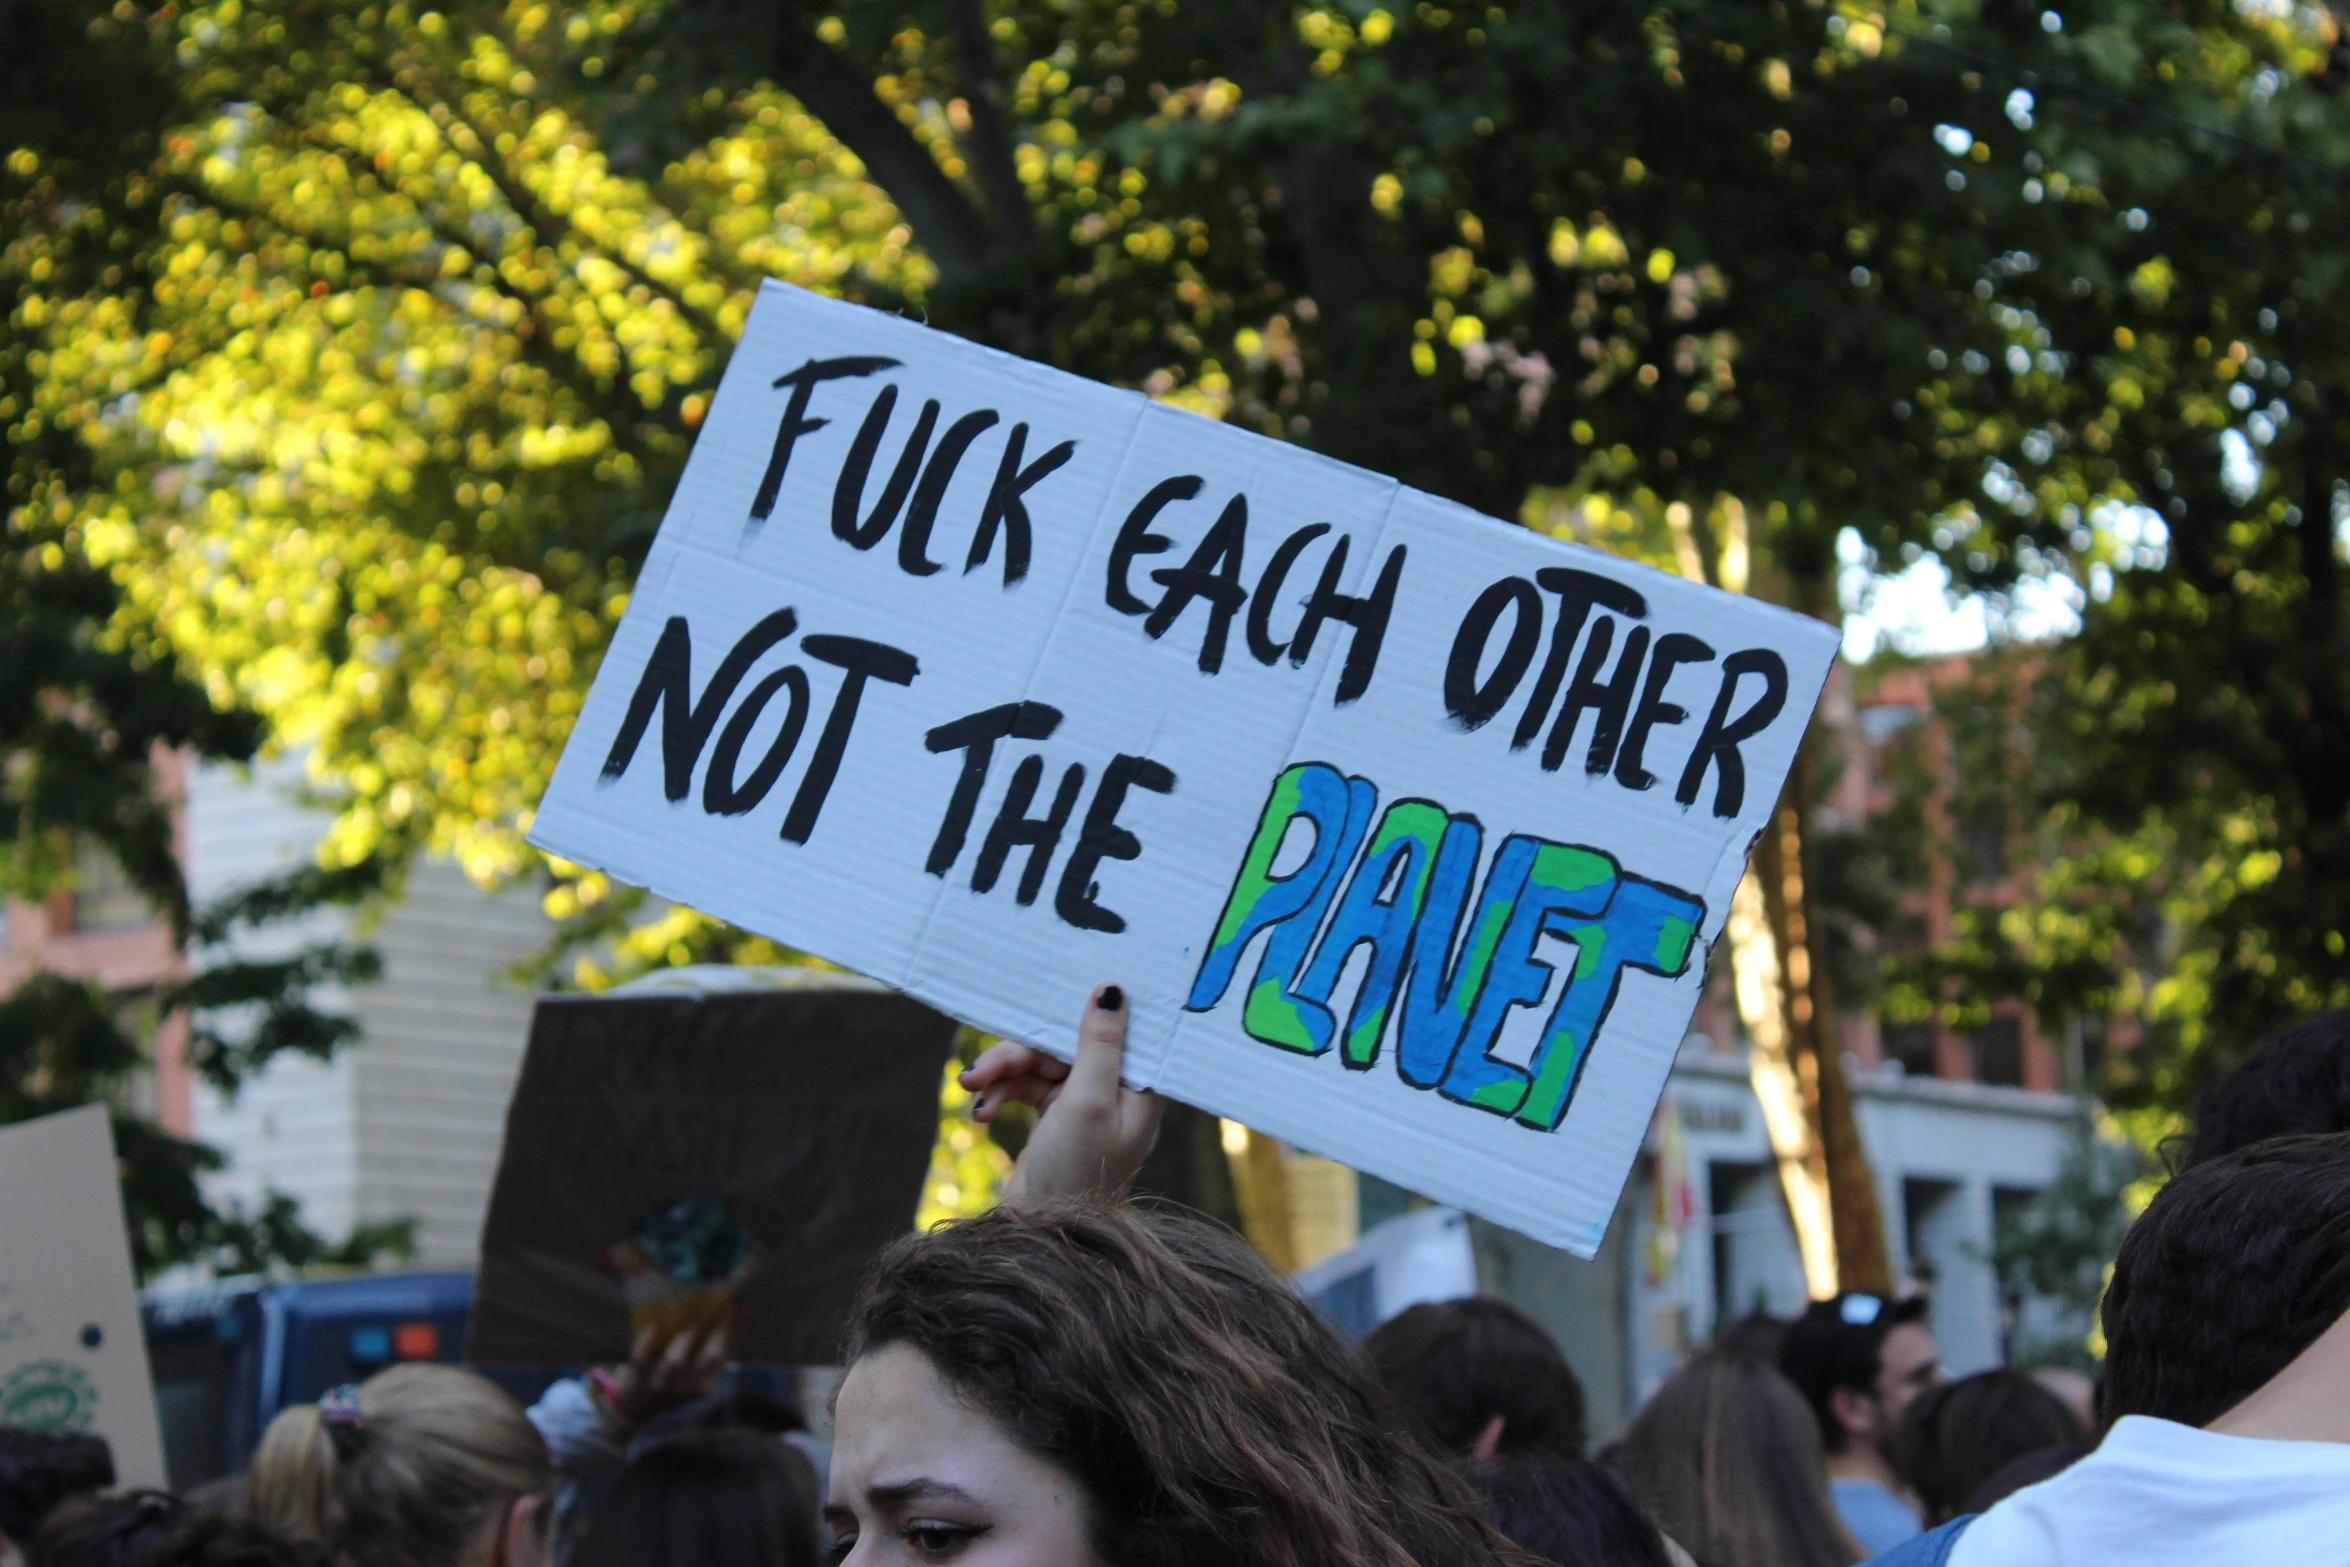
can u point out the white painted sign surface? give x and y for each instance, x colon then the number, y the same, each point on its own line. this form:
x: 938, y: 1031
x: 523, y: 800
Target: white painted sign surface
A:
x: 72, y: 1356
x: 1406, y: 829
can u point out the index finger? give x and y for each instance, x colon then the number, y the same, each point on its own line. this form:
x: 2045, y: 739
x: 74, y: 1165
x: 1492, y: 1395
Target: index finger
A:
x: 1101, y: 1048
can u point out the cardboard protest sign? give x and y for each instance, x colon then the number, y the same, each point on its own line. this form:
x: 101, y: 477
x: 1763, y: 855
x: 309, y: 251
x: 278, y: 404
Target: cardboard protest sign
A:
x: 1407, y: 829
x: 670, y: 1156
x: 72, y: 1357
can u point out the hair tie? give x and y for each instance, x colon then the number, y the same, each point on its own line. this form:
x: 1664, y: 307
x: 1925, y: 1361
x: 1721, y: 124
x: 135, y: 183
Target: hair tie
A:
x: 339, y: 1412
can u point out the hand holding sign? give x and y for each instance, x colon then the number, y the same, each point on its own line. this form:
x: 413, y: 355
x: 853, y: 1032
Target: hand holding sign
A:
x: 668, y: 1367
x: 1094, y: 1131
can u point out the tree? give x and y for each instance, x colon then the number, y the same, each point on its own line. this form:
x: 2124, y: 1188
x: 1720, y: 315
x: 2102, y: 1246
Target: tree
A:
x: 420, y: 310
x: 88, y: 705
x: 2168, y: 427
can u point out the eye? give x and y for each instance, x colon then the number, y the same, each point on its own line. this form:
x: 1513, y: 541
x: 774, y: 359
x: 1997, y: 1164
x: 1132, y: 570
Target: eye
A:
x: 843, y: 1542
x: 941, y: 1541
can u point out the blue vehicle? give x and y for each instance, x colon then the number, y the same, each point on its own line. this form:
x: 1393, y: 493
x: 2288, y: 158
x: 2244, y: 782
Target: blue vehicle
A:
x: 227, y: 1356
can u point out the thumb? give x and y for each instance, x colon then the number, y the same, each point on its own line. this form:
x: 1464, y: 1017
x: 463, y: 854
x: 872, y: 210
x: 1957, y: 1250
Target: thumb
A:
x: 1101, y: 1049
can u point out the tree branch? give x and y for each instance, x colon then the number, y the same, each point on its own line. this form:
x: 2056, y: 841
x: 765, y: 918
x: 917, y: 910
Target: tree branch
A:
x: 986, y: 141
x: 839, y: 91
x: 526, y: 203
x: 620, y: 413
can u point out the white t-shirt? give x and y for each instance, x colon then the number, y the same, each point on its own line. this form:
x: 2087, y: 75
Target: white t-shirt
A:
x: 2157, y: 1493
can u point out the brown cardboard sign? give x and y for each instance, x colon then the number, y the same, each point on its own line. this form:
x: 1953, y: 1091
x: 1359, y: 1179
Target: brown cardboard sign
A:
x: 673, y: 1155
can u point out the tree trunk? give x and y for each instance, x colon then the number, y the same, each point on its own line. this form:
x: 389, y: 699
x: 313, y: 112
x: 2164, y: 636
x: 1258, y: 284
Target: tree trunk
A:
x: 1813, y: 1050
x: 1778, y: 1082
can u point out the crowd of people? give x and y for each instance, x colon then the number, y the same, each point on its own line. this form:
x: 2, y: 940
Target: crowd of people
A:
x: 1070, y: 1381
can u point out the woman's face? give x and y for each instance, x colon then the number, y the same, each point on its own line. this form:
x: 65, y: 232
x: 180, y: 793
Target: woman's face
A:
x: 920, y: 1476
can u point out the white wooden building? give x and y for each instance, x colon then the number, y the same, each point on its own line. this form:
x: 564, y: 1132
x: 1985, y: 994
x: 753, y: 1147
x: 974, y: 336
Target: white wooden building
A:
x: 407, y: 1124
x: 1948, y: 1158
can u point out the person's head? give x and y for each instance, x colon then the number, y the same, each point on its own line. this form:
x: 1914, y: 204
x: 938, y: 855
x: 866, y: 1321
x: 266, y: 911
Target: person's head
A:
x: 39, y: 1469
x: 211, y: 1540
x: 2031, y: 1469
x: 749, y: 1409
x: 2076, y: 1390
x: 1567, y: 1511
x: 107, y: 1531
x: 2235, y: 1268
x: 1727, y: 1460
x: 1758, y: 1336
x: 722, y: 1498
x: 2298, y: 1082
x: 1858, y: 1360
x: 152, y: 1529
x: 1957, y: 1436
x: 1481, y: 1376
x: 419, y: 1466
x: 1075, y: 1385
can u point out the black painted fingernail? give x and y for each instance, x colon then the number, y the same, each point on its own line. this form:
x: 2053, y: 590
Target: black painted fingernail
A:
x: 1113, y: 999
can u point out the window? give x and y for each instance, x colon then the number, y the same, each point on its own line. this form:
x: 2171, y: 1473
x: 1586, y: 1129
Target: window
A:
x: 103, y: 897
x: 1882, y: 722
x: 1999, y: 1052
x: 1913, y: 1045
x: 1982, y: 842
x: 2093, y: 1043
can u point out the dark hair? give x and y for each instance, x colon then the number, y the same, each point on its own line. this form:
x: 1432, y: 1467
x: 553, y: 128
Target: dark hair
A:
x: 720, y: 1498
x: 1208, y: 1412
x: 1456, y: 1364
x: 1825, y: 1350
x: 2031, y: 1469
x: 209, y: 1540
x: 155, y: 1529
x: 1568, y: 1511
x: 1758, y: 1336
x: 223, y: 1494
x: 106, y: 1531
x: 749, y: 1409
x: 2232, y: 1271
x: 1955, y: 1437
x: 39, y: 1469
x: 1727, y: 1460
x: 2297, y: 1082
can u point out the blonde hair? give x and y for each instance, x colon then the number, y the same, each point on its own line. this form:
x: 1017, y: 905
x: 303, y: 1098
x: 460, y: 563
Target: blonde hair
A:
x: 435, y: 1451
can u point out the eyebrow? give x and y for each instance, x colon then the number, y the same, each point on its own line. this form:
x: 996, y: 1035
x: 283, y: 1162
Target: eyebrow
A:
x: 920, y: 1489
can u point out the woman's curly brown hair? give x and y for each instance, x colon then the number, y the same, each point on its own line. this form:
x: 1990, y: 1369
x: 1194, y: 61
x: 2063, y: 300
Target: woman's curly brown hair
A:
x: 1210, y: 1414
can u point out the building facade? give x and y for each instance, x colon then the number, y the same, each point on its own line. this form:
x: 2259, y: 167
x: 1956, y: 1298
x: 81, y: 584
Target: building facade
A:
x: 405, y: 1125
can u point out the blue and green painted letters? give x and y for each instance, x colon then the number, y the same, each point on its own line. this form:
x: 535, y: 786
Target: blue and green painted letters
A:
x: 1446, y: 968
